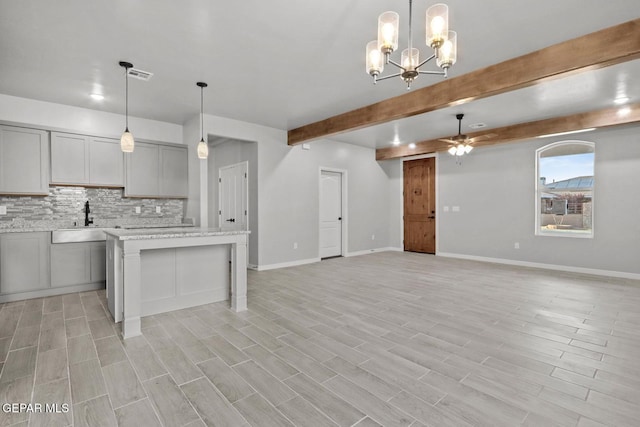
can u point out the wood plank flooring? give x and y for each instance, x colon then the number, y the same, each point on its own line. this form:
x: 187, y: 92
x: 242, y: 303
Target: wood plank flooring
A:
x: 391, y: 339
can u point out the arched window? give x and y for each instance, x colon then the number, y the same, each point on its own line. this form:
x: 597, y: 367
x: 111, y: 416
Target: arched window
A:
x: 564, y: 189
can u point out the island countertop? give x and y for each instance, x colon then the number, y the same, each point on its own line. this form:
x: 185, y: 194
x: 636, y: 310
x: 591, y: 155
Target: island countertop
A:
x: 168, y: 233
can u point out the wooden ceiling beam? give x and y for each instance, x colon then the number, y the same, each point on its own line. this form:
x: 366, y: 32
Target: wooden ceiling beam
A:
x: 593, y: 119
x: 602, y: 48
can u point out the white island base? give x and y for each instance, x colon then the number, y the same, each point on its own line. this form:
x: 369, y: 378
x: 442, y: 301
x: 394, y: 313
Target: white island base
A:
x: 153, y: 271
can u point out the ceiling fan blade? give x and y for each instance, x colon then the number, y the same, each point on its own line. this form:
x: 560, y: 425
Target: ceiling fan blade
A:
x: 450, y: 141
x: 481, y: 137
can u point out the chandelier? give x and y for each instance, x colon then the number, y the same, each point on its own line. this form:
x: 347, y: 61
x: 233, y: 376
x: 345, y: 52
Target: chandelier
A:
x: 438, y: 37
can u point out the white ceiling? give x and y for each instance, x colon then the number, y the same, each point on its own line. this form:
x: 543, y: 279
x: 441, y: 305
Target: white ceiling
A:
x: 288, y: 63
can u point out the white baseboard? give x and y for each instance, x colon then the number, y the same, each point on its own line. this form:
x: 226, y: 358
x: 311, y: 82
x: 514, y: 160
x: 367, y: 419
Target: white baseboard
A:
x: 286, y: 264
x: 371, y: 251
x: 582, y: 270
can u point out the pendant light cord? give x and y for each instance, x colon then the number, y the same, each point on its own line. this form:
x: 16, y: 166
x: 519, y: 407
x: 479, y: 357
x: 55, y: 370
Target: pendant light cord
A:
x: 126, y: 100
x: 202, y: 113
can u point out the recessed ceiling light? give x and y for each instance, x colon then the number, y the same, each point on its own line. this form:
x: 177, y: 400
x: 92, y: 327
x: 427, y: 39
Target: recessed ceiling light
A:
x: 621, y: 100
x: 478, y: 125
x: 566, y: 133
x: 97, y: 97
x: 624, y: 111
x: 412, y: 145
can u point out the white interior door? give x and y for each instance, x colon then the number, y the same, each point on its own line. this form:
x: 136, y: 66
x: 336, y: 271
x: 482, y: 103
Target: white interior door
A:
x: 233, y: 197
x: 330, y: 214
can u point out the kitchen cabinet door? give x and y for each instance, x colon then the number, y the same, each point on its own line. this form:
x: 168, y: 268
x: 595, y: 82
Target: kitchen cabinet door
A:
x: 106, y: 162
x: 70, y: 264
x: 69, y: 158
x: 24, y: 161
x: 98, y: 262
x: 143, y: 171
x: 174, y: 174
x: 24, y: 262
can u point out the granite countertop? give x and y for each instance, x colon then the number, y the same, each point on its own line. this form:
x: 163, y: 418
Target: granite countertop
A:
x: 48, y: 228
x: 168, y: 233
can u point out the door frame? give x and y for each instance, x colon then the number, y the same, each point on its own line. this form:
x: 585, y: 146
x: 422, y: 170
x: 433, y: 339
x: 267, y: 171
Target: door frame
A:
x: 418, y: 157
x: 343, y: 190
x: 246, y: 193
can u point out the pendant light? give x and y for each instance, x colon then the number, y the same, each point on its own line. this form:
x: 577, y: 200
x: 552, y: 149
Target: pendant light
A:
x: 126, y: 140
x: 203, y: 148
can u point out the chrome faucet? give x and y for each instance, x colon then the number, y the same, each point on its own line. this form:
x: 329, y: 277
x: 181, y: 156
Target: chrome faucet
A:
x: 87, y: 211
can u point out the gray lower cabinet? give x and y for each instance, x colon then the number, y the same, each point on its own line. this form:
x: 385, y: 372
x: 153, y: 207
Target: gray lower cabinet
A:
x: 24, y: 161
x: 24, y: 262
x: 157, y: 170
x: 86, y: 160
x: 77, y: 263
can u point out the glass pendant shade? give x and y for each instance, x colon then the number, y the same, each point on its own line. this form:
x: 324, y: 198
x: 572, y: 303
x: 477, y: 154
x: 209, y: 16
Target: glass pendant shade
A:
x: 448, y: 53
x: 388, y: 24
x: 410, y: 61
x: 375, y: 62
x: 203, y: 149
x: 437, y: 25
x: 126, y: 142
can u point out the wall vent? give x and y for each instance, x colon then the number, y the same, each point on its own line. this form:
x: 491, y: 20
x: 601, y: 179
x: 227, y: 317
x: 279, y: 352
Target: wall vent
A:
x: 140, y: 74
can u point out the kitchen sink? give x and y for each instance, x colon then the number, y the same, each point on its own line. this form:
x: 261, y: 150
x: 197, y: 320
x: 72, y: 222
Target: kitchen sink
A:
x: 72, y: 235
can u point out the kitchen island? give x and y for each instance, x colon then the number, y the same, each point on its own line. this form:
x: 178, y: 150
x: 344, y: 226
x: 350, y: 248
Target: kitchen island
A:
x: 151, y: 271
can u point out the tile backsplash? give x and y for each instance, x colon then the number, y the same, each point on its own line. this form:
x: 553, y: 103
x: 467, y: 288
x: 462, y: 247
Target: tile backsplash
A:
x: 64, y: 206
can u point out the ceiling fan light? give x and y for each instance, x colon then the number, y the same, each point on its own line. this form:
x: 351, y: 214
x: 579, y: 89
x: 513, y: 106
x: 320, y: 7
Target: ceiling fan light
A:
x: 437, y: 25
x: 127, y: 142
x: 448, y: 53
x: 388, y: 24
x: 203, y: 150
x: 374, y: 59
x: 468, y: 148
x: 460, y: 150
x: 452, y: 151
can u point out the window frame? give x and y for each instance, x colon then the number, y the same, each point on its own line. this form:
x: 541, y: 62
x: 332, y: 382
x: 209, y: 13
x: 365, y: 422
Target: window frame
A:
x: 562, y: 233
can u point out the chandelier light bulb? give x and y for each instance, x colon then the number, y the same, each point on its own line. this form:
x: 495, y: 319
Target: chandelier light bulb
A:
x: 375, y: 62
x: 437, y: 25
x: 388, y: 24
x: 447, y: 55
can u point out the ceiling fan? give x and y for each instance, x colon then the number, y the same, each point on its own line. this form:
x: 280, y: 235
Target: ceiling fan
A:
x: 461, y: 144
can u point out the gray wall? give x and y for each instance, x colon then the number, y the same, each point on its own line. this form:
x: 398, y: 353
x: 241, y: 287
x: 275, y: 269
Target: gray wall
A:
x: 289, y: 198
x: 494, y: 188
x: 229, y: 153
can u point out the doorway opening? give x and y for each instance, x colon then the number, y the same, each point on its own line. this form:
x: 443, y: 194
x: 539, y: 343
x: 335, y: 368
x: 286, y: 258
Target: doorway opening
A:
x: 333, y: 203
x: 419, y: 216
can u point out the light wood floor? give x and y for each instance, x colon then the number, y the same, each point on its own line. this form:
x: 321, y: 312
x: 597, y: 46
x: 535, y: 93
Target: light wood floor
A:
x: 393, y: 339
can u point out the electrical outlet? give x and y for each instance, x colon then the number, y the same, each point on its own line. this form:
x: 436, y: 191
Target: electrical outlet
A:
x: 455, y: 208
x: 158, y: 209
x: 295, y: 245
x: 3, y: 210
x: 138, y: 210
x: 373, y: 237
x: 516, y: 245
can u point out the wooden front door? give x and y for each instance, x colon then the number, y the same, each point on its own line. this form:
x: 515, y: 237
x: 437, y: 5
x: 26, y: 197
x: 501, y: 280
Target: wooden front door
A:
x: 420, y: 205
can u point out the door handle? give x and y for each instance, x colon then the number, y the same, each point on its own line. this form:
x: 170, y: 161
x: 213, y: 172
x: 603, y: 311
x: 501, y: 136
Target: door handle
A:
x: 339, y: 218
x: 432, y: 217
x: 231, y: 220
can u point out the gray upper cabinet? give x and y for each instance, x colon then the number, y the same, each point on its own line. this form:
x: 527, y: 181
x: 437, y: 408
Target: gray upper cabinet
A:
x: 174, y: 175
x: 106, y: 162
x: 24, y: 161
x: 157, y: 170
x: 24, y: 262
x: 84, y: 160
x: 143, y: 171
